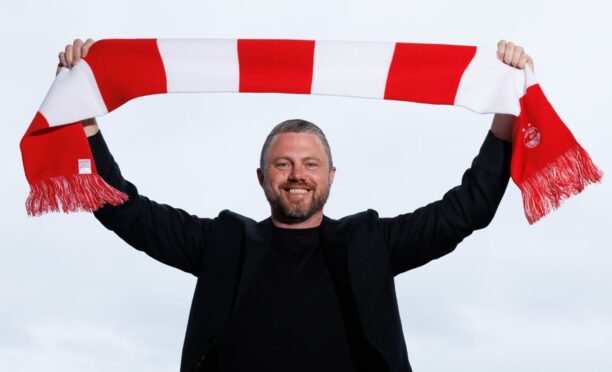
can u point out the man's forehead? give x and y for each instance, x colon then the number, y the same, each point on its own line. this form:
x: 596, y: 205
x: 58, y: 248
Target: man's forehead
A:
x: 303, y: 144
x: 295, y: 140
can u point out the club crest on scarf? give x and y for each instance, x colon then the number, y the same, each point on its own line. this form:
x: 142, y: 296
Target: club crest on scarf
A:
x: 531, y: 136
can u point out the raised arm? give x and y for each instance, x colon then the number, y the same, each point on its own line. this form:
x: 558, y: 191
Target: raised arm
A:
x: 168, y: 234
x: 434, y: 230
x: 413, y: 239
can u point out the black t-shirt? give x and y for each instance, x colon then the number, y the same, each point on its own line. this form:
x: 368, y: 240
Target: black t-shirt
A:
x: 290, y: 319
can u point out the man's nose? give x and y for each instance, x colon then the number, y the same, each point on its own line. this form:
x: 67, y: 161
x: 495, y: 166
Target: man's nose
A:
x: 297, y: 173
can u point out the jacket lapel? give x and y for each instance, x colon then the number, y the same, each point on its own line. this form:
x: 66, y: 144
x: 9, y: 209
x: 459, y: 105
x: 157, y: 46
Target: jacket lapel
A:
x: 257, y: 243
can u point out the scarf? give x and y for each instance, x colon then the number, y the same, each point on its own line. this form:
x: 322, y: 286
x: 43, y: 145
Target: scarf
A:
x: 548, y: 164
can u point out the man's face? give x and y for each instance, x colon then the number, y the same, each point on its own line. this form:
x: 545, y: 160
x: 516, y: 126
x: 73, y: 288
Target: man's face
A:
x: 296, y: 177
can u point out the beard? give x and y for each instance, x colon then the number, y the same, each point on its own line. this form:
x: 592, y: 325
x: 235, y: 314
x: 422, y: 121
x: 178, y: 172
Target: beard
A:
x: 295, y: 212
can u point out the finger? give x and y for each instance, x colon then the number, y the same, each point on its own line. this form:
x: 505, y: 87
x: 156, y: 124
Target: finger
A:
x: 86, y: 47
x: 68, y: 55
x: 526, y: 61
x: 508, y: 50
x: 516, y: 56
x: 62, y: 59
x: 523, y: 61
x: 530, y: 63
x: 501, y: 47
x: 76, y: 50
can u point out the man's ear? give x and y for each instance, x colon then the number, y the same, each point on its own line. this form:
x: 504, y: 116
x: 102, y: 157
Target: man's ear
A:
x: 260, y: 176
x: 332, y: 174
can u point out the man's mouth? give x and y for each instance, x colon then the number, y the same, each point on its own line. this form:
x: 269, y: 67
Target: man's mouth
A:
x: 296, y: 191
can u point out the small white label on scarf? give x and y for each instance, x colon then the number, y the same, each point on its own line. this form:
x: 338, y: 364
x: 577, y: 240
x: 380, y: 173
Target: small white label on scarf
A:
x: 84, y: 166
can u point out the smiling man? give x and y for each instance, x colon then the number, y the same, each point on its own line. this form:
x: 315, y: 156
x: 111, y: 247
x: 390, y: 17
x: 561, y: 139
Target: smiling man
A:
x: 296, y: 173
x: 300, y: 291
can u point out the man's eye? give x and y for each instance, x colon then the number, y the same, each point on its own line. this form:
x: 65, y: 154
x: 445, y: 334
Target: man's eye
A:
x: 311, y: 165
x: 283, y: 164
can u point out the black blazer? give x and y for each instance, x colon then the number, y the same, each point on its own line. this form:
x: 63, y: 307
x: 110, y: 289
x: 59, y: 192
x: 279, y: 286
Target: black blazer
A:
x: 364, y: 251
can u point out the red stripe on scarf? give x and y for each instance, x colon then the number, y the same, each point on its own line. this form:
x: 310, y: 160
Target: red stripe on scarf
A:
x: 554, y: 137
x: 126, y: 69
x: 56, y: 184
x: 427, y: 73
x: 280, y: 66
x: 43, y: 143
x: 548, y: 164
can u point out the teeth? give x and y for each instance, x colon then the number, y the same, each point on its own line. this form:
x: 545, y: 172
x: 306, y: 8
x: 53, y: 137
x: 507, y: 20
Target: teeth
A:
x: 297, y: 191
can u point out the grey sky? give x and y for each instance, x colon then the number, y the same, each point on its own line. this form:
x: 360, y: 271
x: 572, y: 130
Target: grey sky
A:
x: 511, y: 297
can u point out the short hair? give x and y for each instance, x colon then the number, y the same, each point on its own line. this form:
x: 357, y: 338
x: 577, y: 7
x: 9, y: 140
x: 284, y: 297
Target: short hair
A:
x: 295, y: 126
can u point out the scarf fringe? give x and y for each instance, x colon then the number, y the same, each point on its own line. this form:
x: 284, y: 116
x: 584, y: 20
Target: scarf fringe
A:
x: 567, y: 175
x: 73, y: 193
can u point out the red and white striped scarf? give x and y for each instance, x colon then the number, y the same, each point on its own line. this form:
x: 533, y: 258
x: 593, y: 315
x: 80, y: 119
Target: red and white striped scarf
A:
x: 548, y: 164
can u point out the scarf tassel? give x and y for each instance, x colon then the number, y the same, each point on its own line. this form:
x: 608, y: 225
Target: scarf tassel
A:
x: 73, y: 193
x: 567, y: 175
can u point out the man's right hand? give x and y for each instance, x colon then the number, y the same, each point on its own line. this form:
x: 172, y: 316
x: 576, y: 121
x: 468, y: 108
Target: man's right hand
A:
x: 71, y: 55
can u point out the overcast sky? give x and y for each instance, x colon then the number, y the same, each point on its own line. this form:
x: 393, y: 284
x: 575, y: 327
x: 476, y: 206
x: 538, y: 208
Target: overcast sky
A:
x: 74, y: 297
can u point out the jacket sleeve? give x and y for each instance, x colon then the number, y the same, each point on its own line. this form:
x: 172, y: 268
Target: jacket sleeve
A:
x: 168, y: 234
x: 413, y: 239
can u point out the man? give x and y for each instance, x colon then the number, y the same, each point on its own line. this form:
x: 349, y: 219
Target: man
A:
x: 300, y: 291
